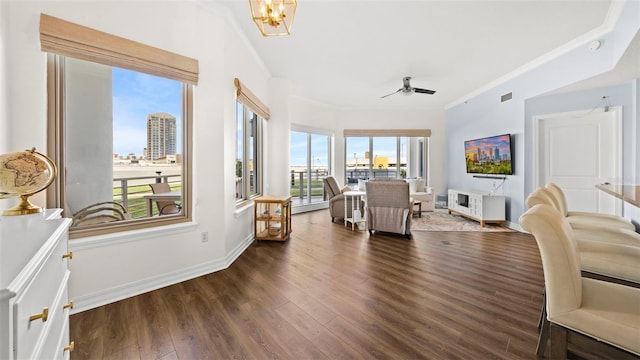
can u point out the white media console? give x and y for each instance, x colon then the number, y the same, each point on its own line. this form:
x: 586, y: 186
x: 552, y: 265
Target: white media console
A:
x: 478, y: 206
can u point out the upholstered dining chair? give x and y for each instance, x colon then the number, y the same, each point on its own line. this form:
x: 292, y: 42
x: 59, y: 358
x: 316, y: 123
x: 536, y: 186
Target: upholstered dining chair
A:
x: 165, y: 207
x: 583, y: 219
x: 333, y: 192
x: 603, y: 316
x: 595, y: 231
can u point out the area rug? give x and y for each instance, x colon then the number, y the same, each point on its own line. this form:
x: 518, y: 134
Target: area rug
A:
x: 442, y: 221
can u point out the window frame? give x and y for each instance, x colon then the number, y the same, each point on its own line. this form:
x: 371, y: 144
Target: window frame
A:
x: 60, y: 39
x: 247, y: 195
x: 310, y: 132
x: 422, y: 135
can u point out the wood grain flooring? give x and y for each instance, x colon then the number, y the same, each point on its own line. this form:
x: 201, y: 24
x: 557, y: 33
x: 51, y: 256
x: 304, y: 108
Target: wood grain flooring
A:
x: 333, y: 293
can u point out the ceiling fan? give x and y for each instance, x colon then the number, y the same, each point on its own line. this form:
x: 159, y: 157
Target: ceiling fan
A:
x: 407, y: 89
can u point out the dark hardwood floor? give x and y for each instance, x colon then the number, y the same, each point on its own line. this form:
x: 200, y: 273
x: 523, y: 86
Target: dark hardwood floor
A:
x: 330, y: 293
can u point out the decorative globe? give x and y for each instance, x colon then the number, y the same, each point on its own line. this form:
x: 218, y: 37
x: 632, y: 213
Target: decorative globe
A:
x: 23, y: 174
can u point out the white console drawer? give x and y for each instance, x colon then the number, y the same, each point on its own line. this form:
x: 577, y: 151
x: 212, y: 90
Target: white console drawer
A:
x: 47, y: 288
x: 56, y: 334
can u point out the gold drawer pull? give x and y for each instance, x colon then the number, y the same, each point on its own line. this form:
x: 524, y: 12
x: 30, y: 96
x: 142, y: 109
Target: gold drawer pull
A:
x: 68, y: 255
x: 69, y: 305
x: 44, y: 315
x: 70, y: 346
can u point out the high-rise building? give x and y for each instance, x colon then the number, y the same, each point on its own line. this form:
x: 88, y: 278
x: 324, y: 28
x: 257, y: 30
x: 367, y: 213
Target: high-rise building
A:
x: 161, y: 135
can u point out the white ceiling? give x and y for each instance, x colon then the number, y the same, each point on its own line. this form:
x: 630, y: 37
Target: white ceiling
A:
x: 349, y: 53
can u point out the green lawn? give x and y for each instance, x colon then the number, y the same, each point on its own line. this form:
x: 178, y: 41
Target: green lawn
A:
x: 136, y: 204
x: 316, y: 188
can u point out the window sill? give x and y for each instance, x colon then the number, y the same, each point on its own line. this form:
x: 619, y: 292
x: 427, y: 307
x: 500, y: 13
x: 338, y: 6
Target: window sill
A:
x: 243, y: 207
x: 92, y: 242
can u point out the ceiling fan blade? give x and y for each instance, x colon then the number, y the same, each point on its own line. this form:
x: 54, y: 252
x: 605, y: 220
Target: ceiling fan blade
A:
x: 395, y: 92
x: 424, y: 91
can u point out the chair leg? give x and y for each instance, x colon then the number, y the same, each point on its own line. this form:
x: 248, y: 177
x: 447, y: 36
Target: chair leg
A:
x: 543, y: 311
x: 558, y: 336
x: 543, y: 337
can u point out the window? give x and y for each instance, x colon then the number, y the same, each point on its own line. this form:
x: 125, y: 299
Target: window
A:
x: 119, y: 122
x: 251, y: 113
x: 248, y: 153
x: 373, y: 154
x: 310, y: 162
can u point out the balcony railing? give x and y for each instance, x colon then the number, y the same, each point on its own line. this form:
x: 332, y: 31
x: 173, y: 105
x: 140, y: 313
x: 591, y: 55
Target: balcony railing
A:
x: 130, y: 191
x: 300, y: 181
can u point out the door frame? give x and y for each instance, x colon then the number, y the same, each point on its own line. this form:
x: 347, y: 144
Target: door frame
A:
x: 537, y: 137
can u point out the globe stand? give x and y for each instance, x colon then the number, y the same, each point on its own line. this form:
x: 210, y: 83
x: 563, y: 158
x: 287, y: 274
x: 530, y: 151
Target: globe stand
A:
x: 24, y: 207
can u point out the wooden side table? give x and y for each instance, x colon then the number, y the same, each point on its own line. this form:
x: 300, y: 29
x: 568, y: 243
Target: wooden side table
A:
x: 272, y: 218
x: 417, y: 203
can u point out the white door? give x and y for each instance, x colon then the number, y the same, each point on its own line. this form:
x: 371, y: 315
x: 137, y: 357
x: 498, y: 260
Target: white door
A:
x: 579, y: 150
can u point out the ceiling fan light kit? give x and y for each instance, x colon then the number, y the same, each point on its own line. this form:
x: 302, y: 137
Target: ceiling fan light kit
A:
x: 407, y: 89
x: 273, y: 17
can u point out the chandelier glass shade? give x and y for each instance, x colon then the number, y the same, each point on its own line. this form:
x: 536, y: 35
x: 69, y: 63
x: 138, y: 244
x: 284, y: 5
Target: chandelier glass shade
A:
x: 273, y: 17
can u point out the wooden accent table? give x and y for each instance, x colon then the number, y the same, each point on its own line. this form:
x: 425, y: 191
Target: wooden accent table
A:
x: 418, y: 203
x: 272, y: 218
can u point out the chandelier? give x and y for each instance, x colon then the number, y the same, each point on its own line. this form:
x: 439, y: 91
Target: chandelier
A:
x: 273, y: 17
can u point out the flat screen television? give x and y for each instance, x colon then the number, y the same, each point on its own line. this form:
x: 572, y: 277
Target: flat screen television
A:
x: 489, y: 155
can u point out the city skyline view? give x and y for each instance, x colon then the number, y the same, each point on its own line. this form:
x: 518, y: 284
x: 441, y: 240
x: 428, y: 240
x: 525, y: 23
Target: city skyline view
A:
x: 135, y: 96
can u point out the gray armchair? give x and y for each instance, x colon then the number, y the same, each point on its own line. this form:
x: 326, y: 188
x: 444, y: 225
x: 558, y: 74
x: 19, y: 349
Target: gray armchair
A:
x: 389, y: 207
x: 333, y: 192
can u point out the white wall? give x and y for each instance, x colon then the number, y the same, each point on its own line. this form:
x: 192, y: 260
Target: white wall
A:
x: 107, y: 268
x: 623, y: 95
x: 4, y: 114
x: 485, y: 115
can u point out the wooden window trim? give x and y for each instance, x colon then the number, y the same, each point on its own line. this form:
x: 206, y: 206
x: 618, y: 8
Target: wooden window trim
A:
x: 246, y: 97
x: 65, y: 38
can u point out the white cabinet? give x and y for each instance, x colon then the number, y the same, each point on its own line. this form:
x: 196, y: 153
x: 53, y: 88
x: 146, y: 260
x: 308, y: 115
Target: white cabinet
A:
x: 34, y: 272
x: 478, y: 206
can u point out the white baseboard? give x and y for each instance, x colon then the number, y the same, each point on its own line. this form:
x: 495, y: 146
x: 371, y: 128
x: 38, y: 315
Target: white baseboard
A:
x: 110, y: 295
x: 515, y: 226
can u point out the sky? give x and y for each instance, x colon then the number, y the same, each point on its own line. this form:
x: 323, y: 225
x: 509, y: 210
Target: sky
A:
x: 135, y: 96
x: 319, y: 149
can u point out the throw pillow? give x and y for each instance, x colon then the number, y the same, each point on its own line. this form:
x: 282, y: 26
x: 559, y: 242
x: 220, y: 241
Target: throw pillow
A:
x: 413, y: 185
x: 420, y: 185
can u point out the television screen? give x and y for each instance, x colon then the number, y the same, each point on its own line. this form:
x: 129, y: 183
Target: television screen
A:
x: 490, y: 155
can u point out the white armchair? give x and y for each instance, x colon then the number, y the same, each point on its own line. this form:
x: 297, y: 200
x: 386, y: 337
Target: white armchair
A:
x: 419, y: 192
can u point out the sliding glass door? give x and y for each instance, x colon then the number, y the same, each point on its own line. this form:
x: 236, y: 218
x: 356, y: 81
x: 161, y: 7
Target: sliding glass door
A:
x: 310, y: 160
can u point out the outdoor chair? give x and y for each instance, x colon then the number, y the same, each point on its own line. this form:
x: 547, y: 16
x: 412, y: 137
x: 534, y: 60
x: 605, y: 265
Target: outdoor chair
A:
x: 165, y: 207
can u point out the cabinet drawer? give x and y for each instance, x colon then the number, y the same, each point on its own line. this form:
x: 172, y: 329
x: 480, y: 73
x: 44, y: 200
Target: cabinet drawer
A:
x: 46, y: 289
x: 56, y: 336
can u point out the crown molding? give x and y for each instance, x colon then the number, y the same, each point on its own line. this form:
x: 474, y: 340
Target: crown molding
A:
x: 613, y: 14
